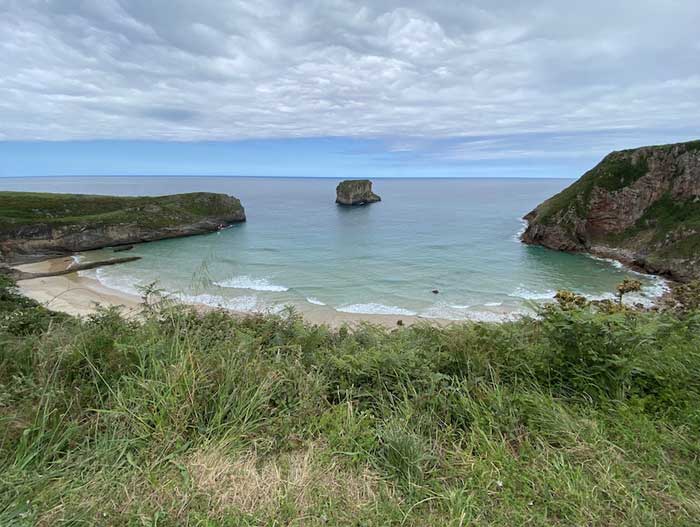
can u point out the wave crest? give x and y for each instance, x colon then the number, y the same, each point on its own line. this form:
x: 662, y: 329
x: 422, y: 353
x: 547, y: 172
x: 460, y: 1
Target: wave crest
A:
x: 375, y: 309
x: 522, y: 292
x: 255, y: 284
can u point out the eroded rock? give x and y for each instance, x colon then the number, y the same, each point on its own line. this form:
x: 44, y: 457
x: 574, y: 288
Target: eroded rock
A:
x: 640, y: 206
x: 355, y: 192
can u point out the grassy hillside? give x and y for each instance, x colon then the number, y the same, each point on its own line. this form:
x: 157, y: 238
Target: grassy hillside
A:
x: 27, y: 208
x: 579, y: 418
x: 613, y: 173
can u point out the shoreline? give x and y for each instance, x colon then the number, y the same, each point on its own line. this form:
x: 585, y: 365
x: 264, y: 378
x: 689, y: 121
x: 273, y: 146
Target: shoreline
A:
x: 70, y: 293
x: 624, y: 257
x: 79, y: 296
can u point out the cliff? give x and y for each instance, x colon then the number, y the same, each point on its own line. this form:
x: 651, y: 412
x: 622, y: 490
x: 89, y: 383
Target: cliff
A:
x: 639, y: 206
x: 355, y: 192
x: 39, y: 225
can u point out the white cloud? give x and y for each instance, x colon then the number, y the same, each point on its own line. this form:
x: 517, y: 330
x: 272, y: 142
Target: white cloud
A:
x: 182, y: 70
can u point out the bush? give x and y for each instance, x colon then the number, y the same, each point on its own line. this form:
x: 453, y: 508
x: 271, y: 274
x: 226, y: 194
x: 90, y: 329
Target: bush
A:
x: 580, y: 414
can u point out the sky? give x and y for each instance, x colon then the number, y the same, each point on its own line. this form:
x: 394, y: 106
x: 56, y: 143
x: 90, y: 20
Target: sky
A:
x: 339, y: 88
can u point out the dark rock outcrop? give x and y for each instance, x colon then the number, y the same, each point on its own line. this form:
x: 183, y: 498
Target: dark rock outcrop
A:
x: 640, y: 206
x: 122, y: 248
x: 34, y: 226
x: 355, y: 192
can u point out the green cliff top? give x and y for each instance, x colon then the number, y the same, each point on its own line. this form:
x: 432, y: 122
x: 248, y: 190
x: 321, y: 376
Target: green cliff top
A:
x: 23, y: 208
x: 616, y: 171
x: 613, y: 173
x: 653, y: 222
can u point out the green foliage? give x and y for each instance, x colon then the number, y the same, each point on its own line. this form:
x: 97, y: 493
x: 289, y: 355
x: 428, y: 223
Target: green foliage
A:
x: 580, y: 416
x: 568, y: 300
x: 26, y: 208
x: 20, y: 315
x: 668, y: 212
x: 403, y: 454
x: 616, y: 171
x: 687, y: 296
x: 666, y: 238
x: 673, y: 224
x: 628, y: 285
x: 620, y: 172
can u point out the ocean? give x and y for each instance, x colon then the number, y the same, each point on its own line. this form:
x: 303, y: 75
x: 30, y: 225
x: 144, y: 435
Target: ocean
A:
x: 298, y: 248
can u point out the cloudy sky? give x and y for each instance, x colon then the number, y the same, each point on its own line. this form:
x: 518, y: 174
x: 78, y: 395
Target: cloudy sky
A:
x: 393, y: 88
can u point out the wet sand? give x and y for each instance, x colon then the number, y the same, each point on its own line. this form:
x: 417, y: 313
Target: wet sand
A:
x: 70, y: 293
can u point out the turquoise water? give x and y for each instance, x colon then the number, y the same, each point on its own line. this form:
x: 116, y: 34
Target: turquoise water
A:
x: 298, y: 247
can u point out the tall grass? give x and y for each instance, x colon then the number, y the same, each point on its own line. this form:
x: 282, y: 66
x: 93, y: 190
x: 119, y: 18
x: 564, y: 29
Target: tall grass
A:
x: 580, y: 417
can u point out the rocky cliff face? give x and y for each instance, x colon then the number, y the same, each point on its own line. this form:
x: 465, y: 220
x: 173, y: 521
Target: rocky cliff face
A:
x: 355, y: 192
x: 639, y: 206
x: 35, y: 226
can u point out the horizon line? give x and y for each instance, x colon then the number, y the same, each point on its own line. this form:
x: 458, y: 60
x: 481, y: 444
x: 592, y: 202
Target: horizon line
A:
x: 280, y: 177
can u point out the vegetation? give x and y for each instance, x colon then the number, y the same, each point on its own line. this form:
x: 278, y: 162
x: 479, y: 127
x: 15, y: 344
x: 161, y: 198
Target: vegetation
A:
x: 659, y: 220
x: 668, y: 215
x: 613, y: 173
x: 27, y: 208
x: 628, y: 285
x: 586, y: 415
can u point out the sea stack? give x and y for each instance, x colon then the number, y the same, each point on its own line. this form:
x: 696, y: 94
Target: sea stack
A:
x: 355, y: 192
x: 640, y: 207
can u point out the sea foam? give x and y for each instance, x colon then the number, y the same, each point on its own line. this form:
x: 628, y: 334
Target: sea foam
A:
x: 448, y: 313
x: 490, y: 316
x: 521, y: 231
x: 76, y: 260
x: 247, y: 304
x: 526, y: 294
x: 375, y: 309
x: 255, y: 284
x: 315, y: 301
x: 124, y: 283
x: 445, y: 311
x: 615, y: 263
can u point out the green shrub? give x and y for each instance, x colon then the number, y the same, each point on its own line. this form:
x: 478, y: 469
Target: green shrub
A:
x: 580, y: 415
x: 588, y: 352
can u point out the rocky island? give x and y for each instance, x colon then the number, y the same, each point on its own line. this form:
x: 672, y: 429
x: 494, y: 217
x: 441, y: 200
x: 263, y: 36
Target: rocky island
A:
x: 355, y: 192
x: 34, y: 226
x: 639, y: 206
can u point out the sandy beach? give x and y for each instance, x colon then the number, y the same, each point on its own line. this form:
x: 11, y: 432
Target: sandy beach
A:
x: 70, y: 293
x: 81, y: 295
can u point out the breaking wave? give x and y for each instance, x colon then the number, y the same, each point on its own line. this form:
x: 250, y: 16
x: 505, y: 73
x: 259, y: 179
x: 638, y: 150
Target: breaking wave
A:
x: 247, y: 304
x: 375, y: 309
x: 526, y: 294
x: 255, y: 284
